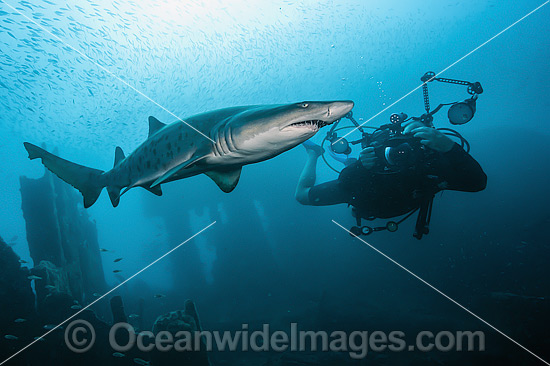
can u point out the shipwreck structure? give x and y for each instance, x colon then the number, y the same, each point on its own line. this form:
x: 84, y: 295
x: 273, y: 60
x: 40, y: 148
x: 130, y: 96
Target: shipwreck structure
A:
x: 62, y: 240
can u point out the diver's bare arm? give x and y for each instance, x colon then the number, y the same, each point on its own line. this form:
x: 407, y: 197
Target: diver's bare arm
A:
x: 307, y: 179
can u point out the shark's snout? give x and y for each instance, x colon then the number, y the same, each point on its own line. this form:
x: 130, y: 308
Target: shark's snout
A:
x: 338, y: 109
x: 314, y: 115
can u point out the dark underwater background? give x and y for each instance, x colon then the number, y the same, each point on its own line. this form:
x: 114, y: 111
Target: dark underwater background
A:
x: 268, y: 259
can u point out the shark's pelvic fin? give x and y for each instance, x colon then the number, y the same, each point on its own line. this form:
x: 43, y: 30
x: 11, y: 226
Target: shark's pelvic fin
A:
x: 119, y: 155
x: 154, y: 125
x: 156, y: 190
x: 225, y: 179
x: 195, y: 158
x: 88, y: 181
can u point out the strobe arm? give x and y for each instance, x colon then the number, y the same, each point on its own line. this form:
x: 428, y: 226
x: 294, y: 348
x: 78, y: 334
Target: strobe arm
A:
x: 473, y: 88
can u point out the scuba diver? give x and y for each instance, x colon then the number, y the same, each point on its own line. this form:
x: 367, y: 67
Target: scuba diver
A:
x: 401, y: 166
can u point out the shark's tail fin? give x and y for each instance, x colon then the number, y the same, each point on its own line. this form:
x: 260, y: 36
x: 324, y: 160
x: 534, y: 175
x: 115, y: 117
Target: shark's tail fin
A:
x: 88, y: 181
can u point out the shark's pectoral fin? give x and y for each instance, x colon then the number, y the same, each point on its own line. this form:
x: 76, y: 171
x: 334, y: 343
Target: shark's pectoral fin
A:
x: 154, y: 125
x: 194, y: 159
x: 225, y: 179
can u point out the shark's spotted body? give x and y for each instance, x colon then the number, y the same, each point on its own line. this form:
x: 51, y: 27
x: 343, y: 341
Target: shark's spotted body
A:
x: 237, y: 136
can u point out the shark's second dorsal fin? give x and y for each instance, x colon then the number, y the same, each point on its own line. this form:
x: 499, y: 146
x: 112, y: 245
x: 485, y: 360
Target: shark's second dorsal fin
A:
x: 119, y: 155
x: 225, y: 179
x: 154, y: 125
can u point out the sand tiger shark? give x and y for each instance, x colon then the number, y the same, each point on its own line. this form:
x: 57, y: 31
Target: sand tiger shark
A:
x: 218, y: 145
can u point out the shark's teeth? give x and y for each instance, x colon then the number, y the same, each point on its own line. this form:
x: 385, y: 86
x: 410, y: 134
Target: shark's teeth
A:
x: 317, y: 123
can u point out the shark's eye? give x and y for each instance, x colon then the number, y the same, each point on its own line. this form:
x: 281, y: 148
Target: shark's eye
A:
x: 304, y: 105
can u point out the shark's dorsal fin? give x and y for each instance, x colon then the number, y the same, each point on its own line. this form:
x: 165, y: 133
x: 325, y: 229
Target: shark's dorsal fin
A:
x: 119, y: 155
x: 154, y: 125
x: 196, y: 157
x: 225, y: 179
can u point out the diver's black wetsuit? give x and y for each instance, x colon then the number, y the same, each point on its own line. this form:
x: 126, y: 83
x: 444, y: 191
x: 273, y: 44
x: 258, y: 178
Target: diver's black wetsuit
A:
x: 393, y: 193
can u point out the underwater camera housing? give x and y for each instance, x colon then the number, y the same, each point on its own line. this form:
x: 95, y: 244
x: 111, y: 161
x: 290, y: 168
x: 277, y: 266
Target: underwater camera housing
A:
x: 393, y: 149
x: 459, y: 113
x: 396, y: 151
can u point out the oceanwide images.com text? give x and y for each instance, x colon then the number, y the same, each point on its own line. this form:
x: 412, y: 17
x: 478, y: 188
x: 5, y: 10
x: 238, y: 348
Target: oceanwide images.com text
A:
x: 80, y: 337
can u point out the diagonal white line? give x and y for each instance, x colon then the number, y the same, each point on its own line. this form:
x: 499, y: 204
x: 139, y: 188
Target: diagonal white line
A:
x: 107, y: 71
x: 443, y: 294
x: 447, y: 68
x: 107, y: 293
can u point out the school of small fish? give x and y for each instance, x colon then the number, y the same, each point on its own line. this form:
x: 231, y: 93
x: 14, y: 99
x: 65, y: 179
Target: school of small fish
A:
x: 182, y: 54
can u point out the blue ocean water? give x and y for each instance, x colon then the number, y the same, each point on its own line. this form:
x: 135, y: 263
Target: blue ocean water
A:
x: 83, y: 77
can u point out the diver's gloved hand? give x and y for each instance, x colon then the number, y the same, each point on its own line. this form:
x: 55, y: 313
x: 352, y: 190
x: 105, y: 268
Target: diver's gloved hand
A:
x: 313, y: 148
x: 429, y: 136
x: 367, y: 157
x: 411, y: 125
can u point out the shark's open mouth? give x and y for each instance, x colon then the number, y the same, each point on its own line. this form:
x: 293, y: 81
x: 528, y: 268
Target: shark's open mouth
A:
x: 312, y: 123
